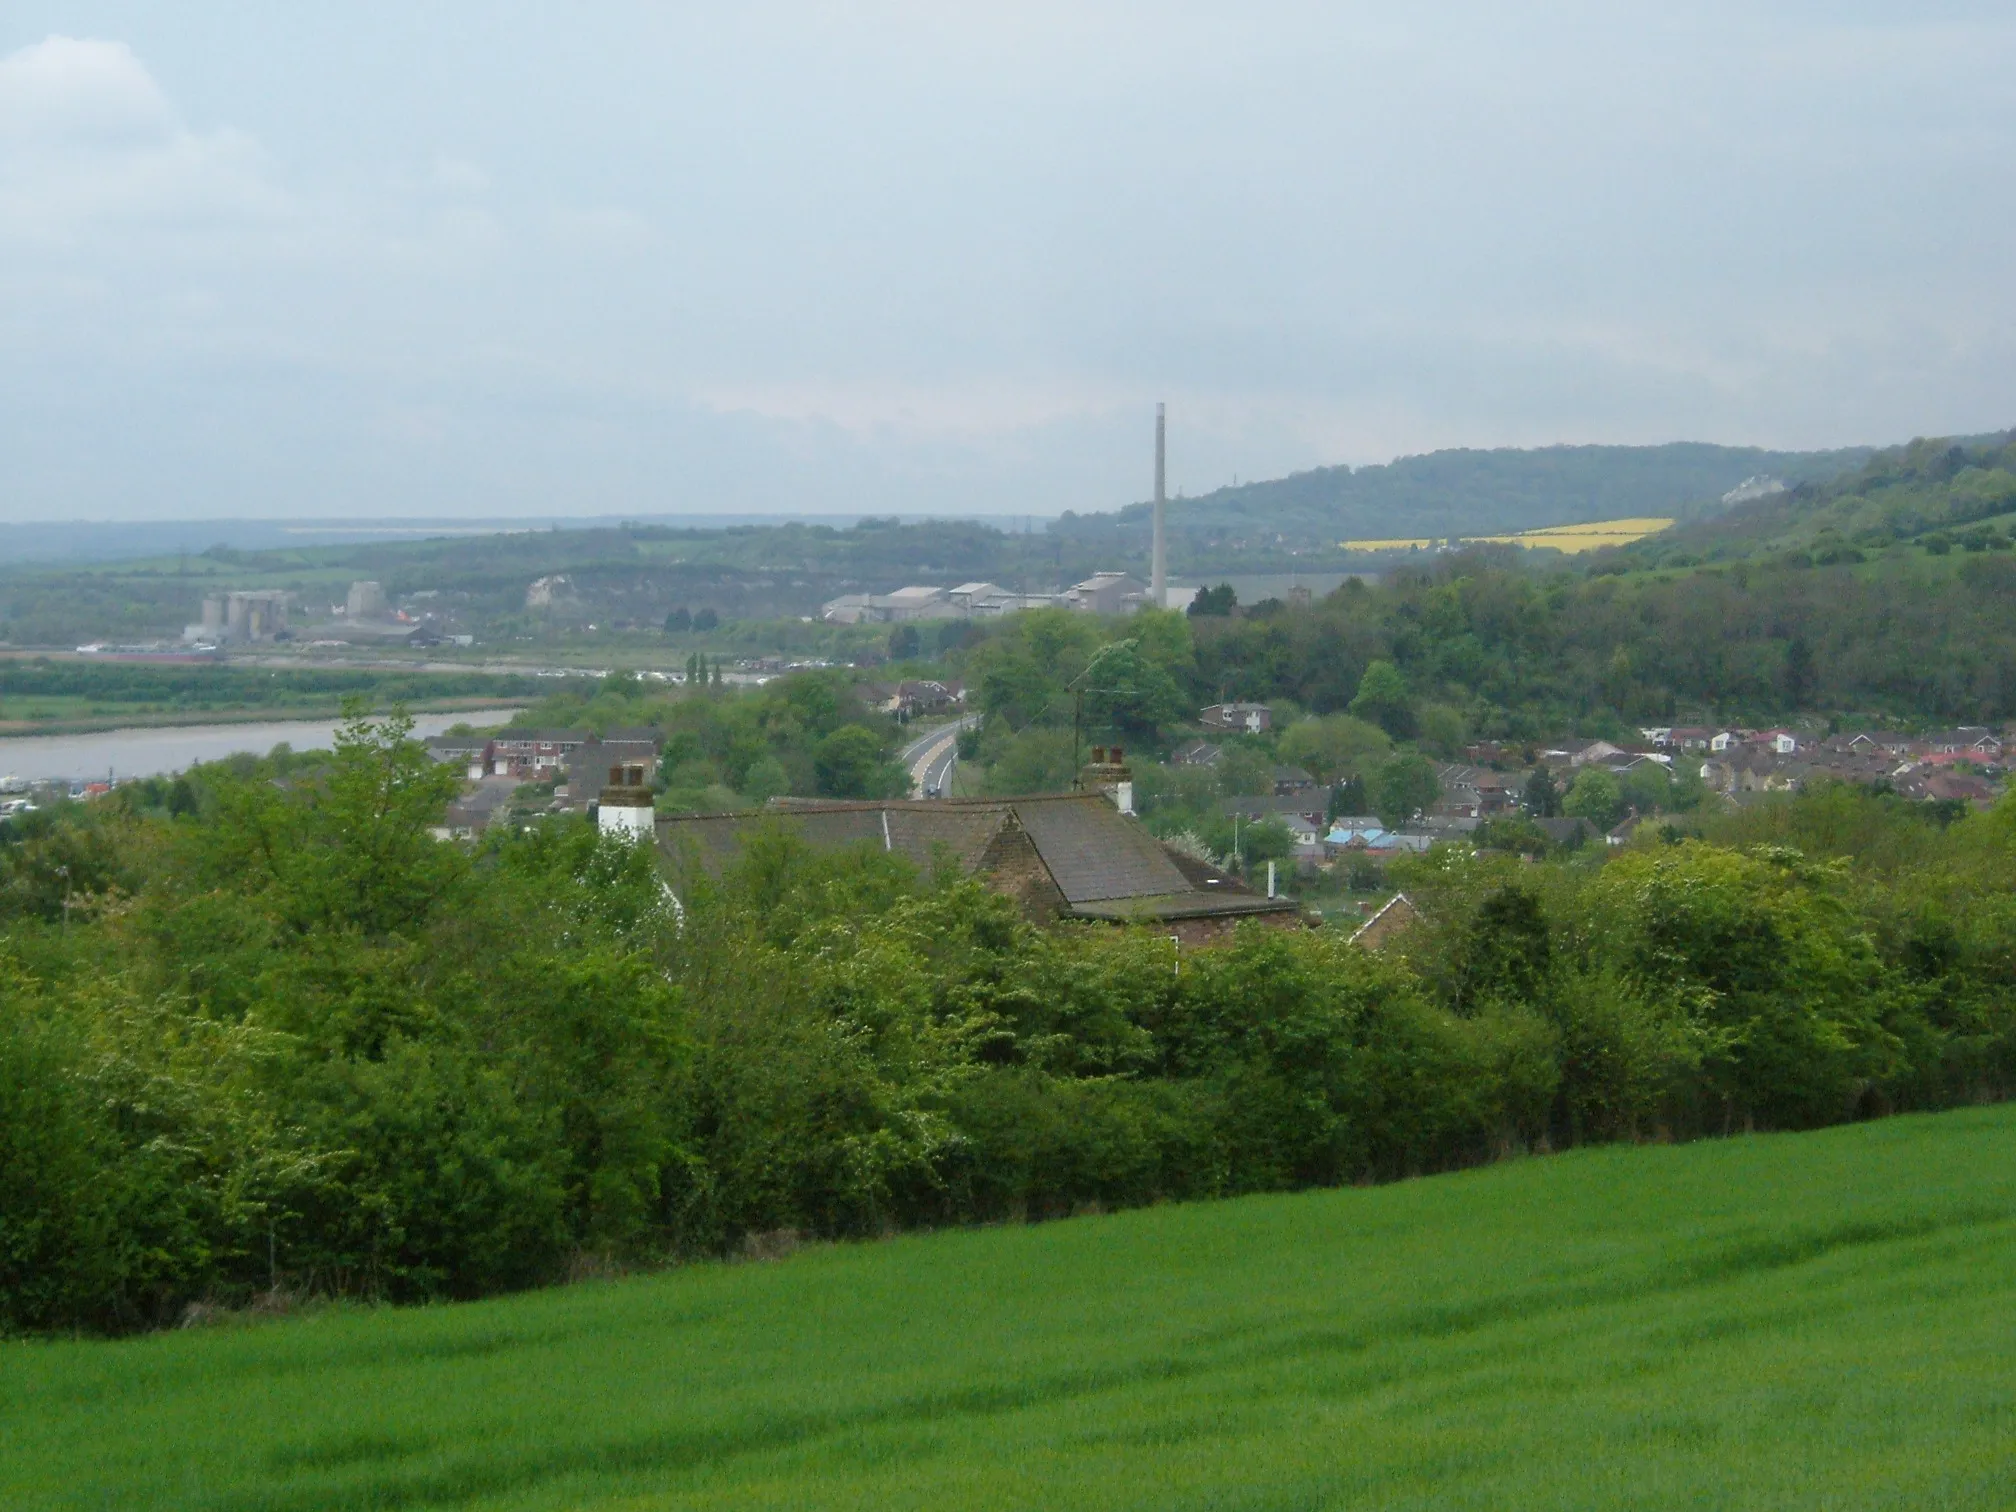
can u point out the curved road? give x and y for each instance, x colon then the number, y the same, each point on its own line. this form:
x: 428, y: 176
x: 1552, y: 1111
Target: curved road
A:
x: 929, y: 758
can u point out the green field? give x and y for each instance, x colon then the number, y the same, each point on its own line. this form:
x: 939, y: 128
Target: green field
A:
x: 1816, y: 1320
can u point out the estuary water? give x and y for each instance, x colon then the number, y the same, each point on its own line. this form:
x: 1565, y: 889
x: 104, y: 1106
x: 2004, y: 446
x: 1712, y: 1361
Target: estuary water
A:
x: 159, y: 751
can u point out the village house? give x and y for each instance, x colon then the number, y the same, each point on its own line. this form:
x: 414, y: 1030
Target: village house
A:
x: 533, y: 755
x: 1061, y: 857
x: 1292, y: 780
x: 1248, y: 718
x: 586, y: 767
x: 1974, y: 741
x: 1387, y: 924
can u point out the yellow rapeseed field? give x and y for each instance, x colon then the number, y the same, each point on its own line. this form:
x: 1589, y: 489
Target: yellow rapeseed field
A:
x: 1570, y: 538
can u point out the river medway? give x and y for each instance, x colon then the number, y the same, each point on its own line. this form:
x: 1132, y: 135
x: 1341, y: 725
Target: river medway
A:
x: 159, y: 750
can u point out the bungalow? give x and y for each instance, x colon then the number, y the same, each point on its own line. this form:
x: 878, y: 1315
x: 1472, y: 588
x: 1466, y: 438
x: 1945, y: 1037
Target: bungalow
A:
x: 1065, y: 857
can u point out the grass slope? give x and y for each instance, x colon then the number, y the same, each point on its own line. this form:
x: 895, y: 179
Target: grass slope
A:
x: 1819, y: 1320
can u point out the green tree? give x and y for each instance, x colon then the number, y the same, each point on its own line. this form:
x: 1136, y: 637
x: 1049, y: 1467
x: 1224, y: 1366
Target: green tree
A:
x: 1541, y: 798
x: 765, y: 779
x: 1348, y: 799
x: 1332, y: 745
x: 1382, y: 698
x: 1129, y: 692
x: 1402, y: 786
x: 1595, y: 796
x: 1213, y: 603
x: 849, y: 763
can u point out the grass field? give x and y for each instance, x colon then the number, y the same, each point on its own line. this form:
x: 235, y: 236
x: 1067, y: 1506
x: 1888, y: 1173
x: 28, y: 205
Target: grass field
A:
x: 1813, y: 1321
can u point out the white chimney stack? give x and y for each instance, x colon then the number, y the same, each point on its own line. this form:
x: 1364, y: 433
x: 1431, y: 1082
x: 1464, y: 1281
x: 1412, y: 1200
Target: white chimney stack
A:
x: 1158, y: 581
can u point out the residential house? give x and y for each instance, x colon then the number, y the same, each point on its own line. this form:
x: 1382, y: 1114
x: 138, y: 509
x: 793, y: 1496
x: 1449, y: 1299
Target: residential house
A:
x: 1976, y: 742
x: 471, y: 752
x: 533, y: 755
x: 1292, y: 780
x: 1569, y: 833
x: 476, y: 810
x: 1249, y: 718
x: 1309, y: 804
x: 586, y: 768
x: 1387, y: 924
x: 1071, y: 856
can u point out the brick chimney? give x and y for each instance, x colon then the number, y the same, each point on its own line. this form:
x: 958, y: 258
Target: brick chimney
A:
x: 1107, y: 772
x: 626, y: 806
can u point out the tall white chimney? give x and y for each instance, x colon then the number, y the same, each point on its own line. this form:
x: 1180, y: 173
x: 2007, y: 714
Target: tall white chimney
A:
x: 1158, y: 581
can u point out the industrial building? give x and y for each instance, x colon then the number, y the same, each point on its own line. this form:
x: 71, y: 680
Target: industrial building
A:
x: 253, y: 614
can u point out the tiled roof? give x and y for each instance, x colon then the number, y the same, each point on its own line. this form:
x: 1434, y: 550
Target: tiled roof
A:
x: 1105, y: 864
x: 1094, y: 852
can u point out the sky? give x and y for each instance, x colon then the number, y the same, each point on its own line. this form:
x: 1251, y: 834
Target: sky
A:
x: 441, y: 257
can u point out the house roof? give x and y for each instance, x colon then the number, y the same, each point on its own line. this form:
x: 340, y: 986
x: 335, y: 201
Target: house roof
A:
x: 1106, y: 864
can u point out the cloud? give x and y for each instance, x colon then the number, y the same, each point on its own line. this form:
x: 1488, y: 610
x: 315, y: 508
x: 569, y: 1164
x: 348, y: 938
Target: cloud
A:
x: 89, y: 140
x: 73, y: 92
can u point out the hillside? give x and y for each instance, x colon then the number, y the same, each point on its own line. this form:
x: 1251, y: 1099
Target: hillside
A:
x: 1457, y: 492
x: 629, y: 576
x: 1940, y: 493
x: 1809, y: 1320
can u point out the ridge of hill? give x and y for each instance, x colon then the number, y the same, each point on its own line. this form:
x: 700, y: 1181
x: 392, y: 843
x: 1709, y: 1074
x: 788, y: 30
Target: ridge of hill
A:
x: 1462, y: 492
x: 1930, y: 490
x: 1784, y: 1321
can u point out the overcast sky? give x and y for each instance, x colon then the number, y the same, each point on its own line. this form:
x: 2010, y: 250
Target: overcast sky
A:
x: 441, y: 256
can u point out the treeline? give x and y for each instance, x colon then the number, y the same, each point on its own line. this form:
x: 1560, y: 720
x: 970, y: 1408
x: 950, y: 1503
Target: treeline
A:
x: 1476, y: 646
x: 1524, y: 656
x: 283, y: 1041
x: 808, y: 734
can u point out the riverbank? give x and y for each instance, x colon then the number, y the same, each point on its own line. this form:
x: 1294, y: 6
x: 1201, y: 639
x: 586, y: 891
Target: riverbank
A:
x: 160, y: 750
x: 168, y: 719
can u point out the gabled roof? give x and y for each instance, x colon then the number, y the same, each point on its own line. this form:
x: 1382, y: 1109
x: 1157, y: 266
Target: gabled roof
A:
x: 1104, y: 863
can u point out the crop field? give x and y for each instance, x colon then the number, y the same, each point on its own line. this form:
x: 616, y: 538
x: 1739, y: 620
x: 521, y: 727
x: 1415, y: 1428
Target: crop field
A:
x: 1572, y: 539
x: 1795, y: 1321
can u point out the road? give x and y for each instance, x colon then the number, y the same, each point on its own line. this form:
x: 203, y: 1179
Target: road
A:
x: 929, y: 758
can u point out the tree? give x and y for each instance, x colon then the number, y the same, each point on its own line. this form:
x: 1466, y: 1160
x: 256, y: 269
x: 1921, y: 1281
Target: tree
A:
x: 1213, y: 603
x: 1594, y: 796
x: 1382, y: 698
x: 1332, y: 745
x: 1403, y: 785
x: 706, y: 619
x: 765, y: 779
x: 1442, y: 731
x: 904, y: 643
x: 679, y: 621
x: 1541, y: 800
x: 1348, y: 800
x: 1265, y: 840
x: 849, y: 764
x: 1800, y: 675
x: 1132, y: 693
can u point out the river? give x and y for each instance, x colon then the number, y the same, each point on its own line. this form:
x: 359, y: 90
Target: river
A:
x: 159, y: 750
